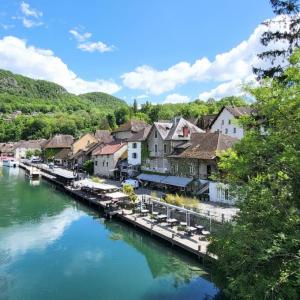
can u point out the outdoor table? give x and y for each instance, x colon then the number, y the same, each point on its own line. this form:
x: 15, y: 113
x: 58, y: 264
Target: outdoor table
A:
x: 144, y: 211
x: 161, y: 217
x: 205, y: 232
x: 199, y: 228
x: 183, y: 223
x: 191, y: 229
x: 172, y: 222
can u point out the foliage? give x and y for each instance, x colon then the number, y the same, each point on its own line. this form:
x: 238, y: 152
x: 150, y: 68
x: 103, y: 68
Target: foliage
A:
x: 259, y: 256
x: 129, y: 190
x: 97, y: 179
x: 29, y: 154
x: 182, y: 201
x: 88, y: 166
x: 287, y: 32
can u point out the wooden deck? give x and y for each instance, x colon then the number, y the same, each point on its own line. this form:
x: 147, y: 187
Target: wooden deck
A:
x: 195, y: 244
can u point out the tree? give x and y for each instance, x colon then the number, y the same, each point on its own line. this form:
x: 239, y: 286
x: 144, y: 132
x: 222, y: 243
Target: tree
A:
x: 122, y: 115
x: 258, y: 254
x: 111, y: 121
x: 288, y: 32
x: 135, y: 106
x: 129, y: 191
x: 88, y: 166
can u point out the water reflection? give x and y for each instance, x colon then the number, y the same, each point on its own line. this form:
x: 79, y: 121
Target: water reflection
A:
x: 34, y: 182
x: 20, y: 238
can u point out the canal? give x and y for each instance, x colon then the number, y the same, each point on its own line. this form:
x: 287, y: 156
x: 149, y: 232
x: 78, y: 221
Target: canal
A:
x: 51, y: 247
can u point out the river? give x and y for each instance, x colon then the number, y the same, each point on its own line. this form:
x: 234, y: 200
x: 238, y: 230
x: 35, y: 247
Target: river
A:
x: 52, y: 247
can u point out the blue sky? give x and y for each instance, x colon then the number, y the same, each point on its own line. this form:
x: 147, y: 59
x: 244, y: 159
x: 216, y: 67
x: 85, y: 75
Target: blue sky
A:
x: 158, y: 50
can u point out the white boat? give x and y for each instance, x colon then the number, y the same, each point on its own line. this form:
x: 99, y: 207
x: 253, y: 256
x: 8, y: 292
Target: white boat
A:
x: 10, y: 163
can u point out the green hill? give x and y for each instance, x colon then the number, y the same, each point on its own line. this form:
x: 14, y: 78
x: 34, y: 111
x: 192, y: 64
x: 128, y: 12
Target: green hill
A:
x: 45, y: 108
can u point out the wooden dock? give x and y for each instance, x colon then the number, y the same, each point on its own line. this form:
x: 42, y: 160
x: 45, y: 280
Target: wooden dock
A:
x: 194, y: 244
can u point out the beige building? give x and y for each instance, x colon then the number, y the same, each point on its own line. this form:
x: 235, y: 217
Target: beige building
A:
x: 83, y: 143
x: 107, y: 157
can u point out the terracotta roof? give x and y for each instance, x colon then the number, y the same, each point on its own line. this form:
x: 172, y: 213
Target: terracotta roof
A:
x: 206, y: 145
x: 108, y: 149
x: 132, y: 125
x: 60, y: 141
x: 141, y: 135
x: 103, y: 136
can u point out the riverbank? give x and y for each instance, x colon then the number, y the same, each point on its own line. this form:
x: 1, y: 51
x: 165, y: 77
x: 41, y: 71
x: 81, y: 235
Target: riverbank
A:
x: 54, y: 247
x: 195, y: 244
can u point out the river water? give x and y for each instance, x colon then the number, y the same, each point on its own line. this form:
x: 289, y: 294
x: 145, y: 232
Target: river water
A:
x: 51, y: 247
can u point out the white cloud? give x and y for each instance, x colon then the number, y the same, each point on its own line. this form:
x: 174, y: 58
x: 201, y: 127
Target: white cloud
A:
x: 17, y: 56
x: 80, y: 37
x: 30, y: 17
x: 85, y: 45
x: 94, y: 47
x: 30, y: 12
x: 176, y: 98
x: 225, y: 68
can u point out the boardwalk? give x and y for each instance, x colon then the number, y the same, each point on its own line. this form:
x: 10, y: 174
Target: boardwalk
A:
x: 195, y: 243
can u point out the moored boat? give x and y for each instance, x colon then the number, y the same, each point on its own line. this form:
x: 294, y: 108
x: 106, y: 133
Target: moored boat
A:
x: 10, y: 162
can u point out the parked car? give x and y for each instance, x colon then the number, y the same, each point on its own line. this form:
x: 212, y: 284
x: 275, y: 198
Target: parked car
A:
x: 133, y: 182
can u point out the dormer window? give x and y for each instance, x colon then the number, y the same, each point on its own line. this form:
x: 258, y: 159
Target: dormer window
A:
x: 155, y: 134
x: 185, y: 131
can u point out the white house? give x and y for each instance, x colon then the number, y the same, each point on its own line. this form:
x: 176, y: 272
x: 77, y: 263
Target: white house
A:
x: 106, y: 158
x: 135, y: 146
x: 22, y: 147
x: 226, y: 121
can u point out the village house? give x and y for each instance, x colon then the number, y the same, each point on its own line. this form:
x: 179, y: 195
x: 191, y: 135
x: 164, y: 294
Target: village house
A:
x: 205, y: 121
x: 84, y: 151
x: 21, y: 148
x: 7, y: 149
x: 162, y: 139
x: 79, y: 148
x: 104, y: 136
x: 126, y: 130
x: 137, y: 150
x: 226, y: 121
x: 59, y: 148
x: 198, y: 159
x: 106, y: 158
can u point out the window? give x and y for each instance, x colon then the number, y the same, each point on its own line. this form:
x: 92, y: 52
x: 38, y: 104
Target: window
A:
x: 107, y: 163
x: 234, y: 130
x: 222, y: 122
x: 176, y: 168
x: 134, y: 145
x: 165, y: 149
x: 134, y: 155
x: 192, y: 169
x: 229, y: 122
x: 103, y: 163
x: 96, y: 163
x: 226, y: 130
x: 155, y: 134
x: 208, y: 170
x: 155, y: 148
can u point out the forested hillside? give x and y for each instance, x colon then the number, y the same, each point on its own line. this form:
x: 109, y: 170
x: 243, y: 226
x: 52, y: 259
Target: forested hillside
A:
x: 32, y: 109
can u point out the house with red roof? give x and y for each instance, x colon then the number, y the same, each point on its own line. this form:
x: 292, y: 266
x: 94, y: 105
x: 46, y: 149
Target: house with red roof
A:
x: 106, y: 158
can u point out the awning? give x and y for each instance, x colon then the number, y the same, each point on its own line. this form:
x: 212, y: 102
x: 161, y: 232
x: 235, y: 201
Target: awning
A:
x: 116, y: 195
x: 151, y: 177
x: 96, y: 186
x: 168, y: 180
x: 177, y: 181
